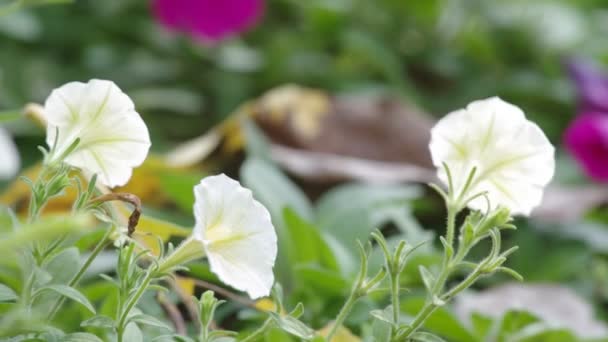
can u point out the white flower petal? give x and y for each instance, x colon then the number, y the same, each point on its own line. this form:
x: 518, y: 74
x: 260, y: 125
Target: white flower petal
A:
x: 514, y: 158
x: 113, y: 137
x: 238, y: 235
x: 9, y: 156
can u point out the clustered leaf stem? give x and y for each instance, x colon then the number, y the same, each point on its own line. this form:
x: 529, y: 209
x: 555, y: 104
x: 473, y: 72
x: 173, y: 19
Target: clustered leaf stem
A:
x: 360, y: 288
x: 141, y: 289
x: 474, y: 229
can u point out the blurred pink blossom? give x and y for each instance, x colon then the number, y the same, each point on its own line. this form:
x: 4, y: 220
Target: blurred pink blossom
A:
x: 587, y: 136
x: 208, y: 20
x: 587, y: 140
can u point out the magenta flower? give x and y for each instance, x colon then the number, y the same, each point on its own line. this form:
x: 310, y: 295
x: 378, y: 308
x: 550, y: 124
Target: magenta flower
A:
x: 208, y: 20
x: 587, y: 136
x: 587, y: 140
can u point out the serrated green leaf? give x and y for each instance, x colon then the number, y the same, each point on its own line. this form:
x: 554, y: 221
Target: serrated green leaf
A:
x: 69, y: 292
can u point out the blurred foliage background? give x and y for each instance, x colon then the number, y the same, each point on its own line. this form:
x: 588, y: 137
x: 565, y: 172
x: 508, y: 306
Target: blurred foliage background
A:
x: 436, y: 55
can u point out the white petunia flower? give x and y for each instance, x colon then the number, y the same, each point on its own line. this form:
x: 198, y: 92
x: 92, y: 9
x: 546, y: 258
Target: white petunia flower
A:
x: 236, y: 234
x: 113, y: 137
x: 9, y: 156
x: 513, y: 157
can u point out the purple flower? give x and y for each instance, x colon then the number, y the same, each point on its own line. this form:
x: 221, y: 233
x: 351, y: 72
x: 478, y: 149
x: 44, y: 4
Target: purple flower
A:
x: 587, y: 140
x: 208, y: 20
x: 591, y: 83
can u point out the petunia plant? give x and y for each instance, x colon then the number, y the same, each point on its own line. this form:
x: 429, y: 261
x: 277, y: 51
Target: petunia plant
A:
x: 493, y: 163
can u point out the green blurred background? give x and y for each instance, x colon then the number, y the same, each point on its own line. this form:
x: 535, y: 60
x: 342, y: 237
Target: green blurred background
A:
x: 437, y: 54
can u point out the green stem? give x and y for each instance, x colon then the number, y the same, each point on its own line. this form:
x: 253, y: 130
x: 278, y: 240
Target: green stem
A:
x: 26, y: 294
x: 103, y: 243
x: 463, y: 285
x: 346, y: 309
x: 429, y: 305
x: 451, y: 223
x: 395, y: 301
x: 428, y: 308
x: 258, y: 333
x: 133, y: 301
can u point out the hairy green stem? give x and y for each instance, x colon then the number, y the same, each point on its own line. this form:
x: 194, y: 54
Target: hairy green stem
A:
x: 395, y: 297
x: 430, y: 304
x: 451, y: 225
x: 346, y: 309
x: 120, y: 327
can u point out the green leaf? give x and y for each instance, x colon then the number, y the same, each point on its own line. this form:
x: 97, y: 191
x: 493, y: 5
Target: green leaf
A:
x: 350, y: 212
x: 381, y: 330
x: 481, y: 325
x: 427, y: 278
x: 306, y: 243
x: 99, y: 321
x: 149, y: 320
x: 543, y: 332
x: 293, y: 326
x: 133, y: 333
x: 81, y: 337
x: 178, y: 186
x: 69, y: 292
x: 385, y: 315
x: 422, y: 336
x: 297, y: 311
x: 64, y: 265
x: 325, y: 280
x: 274, y: 189
x: 8, y: 220
x: 514, y: 321
x: 441, y: 322
x: 7, y: 294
